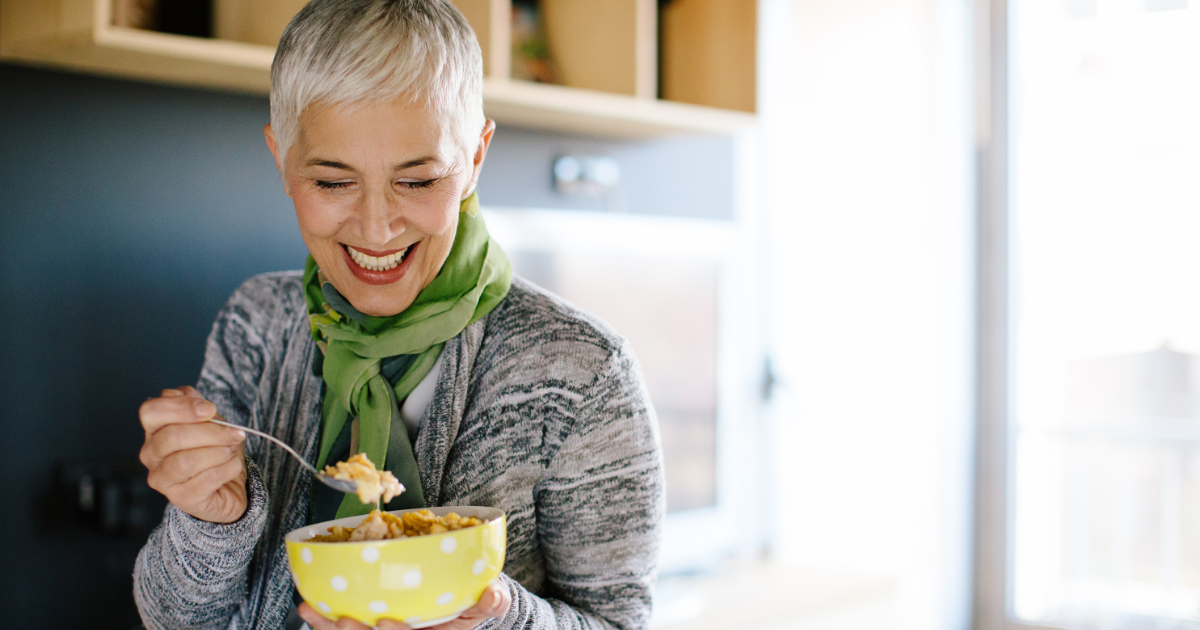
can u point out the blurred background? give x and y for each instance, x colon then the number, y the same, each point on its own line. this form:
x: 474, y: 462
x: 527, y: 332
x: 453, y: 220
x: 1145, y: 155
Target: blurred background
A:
x: 916, y: 285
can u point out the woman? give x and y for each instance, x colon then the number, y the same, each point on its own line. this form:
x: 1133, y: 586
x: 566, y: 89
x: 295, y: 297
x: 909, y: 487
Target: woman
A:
x: 407, y: 338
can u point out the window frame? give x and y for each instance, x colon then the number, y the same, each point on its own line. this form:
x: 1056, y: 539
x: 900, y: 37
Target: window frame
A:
x: 995, y: 438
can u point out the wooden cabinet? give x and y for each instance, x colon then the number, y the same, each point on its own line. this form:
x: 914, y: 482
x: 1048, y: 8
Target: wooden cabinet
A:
x: 709, y: 53
x: 606, y: 54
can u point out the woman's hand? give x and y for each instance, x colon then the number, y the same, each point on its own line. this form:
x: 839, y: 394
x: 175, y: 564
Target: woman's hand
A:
x: 197, y: 465
x: 494, y: 602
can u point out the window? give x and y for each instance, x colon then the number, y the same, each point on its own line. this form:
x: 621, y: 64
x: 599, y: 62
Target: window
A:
x: 1101, y: 368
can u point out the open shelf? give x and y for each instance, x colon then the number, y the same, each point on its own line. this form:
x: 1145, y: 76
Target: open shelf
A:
x: 611, y: 94
x: 708, y: 53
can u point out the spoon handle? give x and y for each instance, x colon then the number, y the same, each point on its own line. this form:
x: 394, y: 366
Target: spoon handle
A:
x: 269, y: 437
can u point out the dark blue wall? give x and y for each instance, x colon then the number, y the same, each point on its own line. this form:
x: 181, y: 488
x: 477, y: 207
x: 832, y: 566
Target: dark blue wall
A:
x: 128, y: 213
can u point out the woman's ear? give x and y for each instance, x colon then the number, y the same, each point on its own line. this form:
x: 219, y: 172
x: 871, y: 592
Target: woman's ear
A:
x: 273, y: 146
x: 485, y: 140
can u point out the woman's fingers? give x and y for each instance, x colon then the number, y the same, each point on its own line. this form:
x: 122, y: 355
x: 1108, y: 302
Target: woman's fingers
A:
x: 186, y: 390
x: 175, y: 438
x: 314, y: 619
x: 319, y: 622
x: 183, y: 466
x: 494, y: 602
x: 157, y: 413
x: 217, y: 494
x: 208, y: 482
x: 196, y: 494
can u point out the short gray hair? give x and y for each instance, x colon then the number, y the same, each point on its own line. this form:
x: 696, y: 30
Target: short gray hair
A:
x: 352, y: 51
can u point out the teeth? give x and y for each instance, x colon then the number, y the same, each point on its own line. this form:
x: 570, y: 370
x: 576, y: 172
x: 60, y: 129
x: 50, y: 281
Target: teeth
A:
x: 372, y: 263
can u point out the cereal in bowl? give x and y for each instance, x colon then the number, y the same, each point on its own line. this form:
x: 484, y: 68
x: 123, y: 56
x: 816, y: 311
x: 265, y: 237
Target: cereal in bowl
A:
x: 384, y: 526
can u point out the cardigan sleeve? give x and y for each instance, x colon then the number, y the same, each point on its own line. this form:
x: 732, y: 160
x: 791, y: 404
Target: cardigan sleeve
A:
x: 192, y: 573
x: 600, y: 509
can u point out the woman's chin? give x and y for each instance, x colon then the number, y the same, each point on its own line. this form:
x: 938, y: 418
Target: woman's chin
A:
x: 379, y: 301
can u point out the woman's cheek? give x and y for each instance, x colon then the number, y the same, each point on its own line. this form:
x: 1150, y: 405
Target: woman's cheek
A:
x: 438, y: 218
x: 315, y: 218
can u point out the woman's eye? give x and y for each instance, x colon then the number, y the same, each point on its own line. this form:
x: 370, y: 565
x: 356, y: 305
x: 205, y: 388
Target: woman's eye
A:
x: 426, y: 183
x: 328, y: 185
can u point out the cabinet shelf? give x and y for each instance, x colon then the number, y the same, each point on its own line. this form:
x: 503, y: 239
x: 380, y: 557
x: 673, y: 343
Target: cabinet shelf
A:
x: 79, y: 35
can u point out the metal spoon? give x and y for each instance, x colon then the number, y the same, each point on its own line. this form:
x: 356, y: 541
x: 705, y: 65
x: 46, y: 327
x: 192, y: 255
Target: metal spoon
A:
x: 341, y: 485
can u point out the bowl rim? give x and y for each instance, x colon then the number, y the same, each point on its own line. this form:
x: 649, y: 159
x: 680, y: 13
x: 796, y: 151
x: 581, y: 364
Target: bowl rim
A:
x: 486, y: 514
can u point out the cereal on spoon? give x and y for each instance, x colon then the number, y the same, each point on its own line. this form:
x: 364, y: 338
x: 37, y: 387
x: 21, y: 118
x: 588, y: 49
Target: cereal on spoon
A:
x: 374, y: 485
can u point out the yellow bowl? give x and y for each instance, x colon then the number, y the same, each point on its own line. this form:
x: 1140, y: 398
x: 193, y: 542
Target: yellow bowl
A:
x: 424, y: 580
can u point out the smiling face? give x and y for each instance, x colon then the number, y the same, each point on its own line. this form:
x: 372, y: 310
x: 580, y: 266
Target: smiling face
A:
x: 377, y: 188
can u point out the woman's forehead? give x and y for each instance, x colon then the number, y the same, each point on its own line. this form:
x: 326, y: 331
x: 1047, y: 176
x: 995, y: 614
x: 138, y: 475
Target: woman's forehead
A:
x: 401, y: 130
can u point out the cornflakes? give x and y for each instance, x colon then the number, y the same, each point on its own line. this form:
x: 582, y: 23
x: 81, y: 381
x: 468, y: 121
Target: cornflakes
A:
x: 372, y: 484
x: 384, y: 526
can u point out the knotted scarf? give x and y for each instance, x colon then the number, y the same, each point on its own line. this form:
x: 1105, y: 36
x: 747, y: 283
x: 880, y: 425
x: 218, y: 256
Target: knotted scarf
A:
x: 371, y: 364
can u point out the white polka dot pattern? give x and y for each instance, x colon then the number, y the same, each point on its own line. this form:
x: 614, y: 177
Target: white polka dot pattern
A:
x: 370, y: 554
x: 339, y: 583
x: 478, y: 567
x: 412, y: 579
x: 449, y: 545
x: 306, y: 555
x: 324, y: 607
x: 445, y: 598
x: 378, y: 607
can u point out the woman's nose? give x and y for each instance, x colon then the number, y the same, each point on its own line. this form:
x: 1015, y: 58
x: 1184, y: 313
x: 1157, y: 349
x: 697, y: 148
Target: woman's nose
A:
x: 380, y: 219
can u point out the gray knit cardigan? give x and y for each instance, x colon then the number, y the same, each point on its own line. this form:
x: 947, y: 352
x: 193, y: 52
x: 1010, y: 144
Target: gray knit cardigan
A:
x: 540, y: 411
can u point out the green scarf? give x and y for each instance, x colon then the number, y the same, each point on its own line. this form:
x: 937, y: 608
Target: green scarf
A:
x: 359, y: 349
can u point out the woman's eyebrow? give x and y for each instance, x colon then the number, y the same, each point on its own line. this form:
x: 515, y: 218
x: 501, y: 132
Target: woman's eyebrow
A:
x: 414, y: 162
x: 346, y: 167
x: 329, y: 163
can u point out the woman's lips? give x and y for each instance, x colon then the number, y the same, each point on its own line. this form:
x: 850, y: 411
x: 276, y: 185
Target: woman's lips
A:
x: 378, y: 267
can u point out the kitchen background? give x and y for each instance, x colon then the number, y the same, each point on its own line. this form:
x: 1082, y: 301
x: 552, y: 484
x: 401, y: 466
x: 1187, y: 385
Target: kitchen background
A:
x: 945, y: 372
